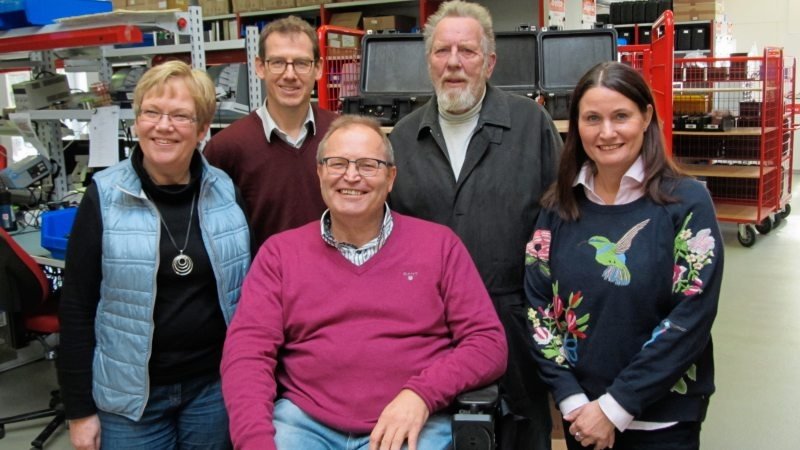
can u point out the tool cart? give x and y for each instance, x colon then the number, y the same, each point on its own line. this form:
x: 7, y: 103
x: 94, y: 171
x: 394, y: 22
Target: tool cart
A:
x: 733, y: 127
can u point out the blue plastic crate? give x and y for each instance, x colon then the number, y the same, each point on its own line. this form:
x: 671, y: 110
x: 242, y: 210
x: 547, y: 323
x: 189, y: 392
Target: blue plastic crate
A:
x: 56, y: 227
x: 25, y: 13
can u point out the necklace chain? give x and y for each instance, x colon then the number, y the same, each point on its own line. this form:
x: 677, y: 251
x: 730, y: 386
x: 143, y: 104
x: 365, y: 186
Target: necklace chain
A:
x: 182, y: 264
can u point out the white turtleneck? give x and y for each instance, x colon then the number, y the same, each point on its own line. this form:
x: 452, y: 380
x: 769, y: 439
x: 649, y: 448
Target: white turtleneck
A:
x: 457, y: 130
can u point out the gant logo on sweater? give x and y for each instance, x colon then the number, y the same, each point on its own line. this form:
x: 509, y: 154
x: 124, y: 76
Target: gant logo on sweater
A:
x: 410, y: 275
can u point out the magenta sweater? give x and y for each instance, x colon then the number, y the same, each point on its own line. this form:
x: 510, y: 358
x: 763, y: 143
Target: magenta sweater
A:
x: 349, y: 338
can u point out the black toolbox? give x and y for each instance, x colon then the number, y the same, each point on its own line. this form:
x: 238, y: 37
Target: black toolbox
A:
x: 395, y: 81
x: 564, y: 57
x: 517, y: 67
x: 394, y: 77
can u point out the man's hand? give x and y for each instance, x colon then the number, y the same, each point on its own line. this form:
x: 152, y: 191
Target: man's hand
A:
x: 84, y: 433
x: 590, y: 426
x: 401, y: 420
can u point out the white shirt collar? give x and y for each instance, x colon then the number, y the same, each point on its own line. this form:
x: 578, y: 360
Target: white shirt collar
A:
x: 631, y: 187
x: 270, y: 126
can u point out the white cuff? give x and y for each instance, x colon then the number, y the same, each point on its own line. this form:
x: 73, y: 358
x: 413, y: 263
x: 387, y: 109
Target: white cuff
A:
x: 615, y: 412
x: 572, y: 403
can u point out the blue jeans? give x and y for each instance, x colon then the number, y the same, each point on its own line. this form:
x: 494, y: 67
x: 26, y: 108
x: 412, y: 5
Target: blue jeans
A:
x: 187, y: 416
x: 295, y: 430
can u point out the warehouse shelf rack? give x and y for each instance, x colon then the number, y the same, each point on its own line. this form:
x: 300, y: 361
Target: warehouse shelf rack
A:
x: 88, y: 38
x: 743, y: 136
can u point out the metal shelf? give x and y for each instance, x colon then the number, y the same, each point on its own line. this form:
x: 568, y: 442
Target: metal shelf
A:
x: 94, y: 30
x: 726, y: 170
x: 742, y: 131
x: 132, y: 52
x: 75, y: 114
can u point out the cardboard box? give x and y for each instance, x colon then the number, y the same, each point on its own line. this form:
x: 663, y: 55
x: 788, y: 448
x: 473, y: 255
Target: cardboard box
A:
x: 215, y: 7
x: 389, y: 23
x: 245, y: 5
x: 278, y: 4
x: 337, y: 40
x: 347, y: 20
x: 310, y: 2
x: 688, y: 10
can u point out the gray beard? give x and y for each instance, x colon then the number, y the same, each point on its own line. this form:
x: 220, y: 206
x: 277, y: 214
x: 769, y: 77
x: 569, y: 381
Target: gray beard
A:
x: 456, y: 100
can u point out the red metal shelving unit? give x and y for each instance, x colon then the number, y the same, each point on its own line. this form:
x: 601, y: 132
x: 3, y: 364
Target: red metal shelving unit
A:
x: 655, y: 62
x: 734, y: 128
x: 341, y: 67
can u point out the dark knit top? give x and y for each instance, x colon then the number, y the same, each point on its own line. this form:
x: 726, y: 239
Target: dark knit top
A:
x: 279, y: 183
x: 184, y: 304
x: 623, y: 301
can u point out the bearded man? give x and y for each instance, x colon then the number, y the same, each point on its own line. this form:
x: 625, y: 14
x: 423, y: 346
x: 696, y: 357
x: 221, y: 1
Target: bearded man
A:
x: 478, y: 159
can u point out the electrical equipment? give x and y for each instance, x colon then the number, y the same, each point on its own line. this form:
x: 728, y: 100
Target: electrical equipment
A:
x: 122, y: 84
x: 231, y: 84
x: 26, y: 172
x: 41, y: 92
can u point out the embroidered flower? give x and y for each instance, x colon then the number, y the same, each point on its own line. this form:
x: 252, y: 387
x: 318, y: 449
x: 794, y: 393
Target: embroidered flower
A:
x: 537, y: 251
x: 702, y: 243
x: 677, y: 273
x: 557, y: 328
x: 692, y: 253
x: 542, y: 336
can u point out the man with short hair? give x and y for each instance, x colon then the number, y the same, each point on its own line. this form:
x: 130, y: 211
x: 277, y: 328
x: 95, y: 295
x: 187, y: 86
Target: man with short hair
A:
x: 270, y: 153
x: 357, y: 329
x: 477, y: 159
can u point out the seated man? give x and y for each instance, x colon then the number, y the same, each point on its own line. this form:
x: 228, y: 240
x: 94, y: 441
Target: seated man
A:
x: 359, y: 329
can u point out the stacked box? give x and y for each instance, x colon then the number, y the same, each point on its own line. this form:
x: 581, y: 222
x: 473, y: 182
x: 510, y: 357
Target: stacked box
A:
x: 261, y: 5
x: 687, y: 10
x: 347, y: 20
x: 389, y: 23
x: 215, y: 7
x: 245, y: 5
x: 277, y: 4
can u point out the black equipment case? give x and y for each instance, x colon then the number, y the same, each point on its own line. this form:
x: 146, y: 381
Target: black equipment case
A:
x: 395, y: 81
x: 394, y: 77
x: 565, y: 56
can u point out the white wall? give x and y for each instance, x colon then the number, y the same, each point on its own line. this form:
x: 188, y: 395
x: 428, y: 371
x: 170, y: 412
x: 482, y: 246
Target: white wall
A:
x: 768, y: 23
x: 507, y: 15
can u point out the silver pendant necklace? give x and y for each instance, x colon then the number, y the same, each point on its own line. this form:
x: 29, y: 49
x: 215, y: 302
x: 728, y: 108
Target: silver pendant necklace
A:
x: 182, y: 264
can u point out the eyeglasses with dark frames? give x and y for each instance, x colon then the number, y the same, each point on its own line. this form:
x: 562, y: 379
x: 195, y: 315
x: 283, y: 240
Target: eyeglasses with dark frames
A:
x: 176, y: 118
x: 279, y: 65
x: 366, y: 167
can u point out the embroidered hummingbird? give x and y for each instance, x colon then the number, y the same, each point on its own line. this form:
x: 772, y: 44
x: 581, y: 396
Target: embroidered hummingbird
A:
x: 612, y: 255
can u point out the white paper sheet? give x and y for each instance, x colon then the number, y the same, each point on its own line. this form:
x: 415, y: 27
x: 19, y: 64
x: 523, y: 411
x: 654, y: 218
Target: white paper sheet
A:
x: 104, y: 137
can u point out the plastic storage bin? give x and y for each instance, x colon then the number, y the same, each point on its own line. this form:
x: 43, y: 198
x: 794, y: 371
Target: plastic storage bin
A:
x: 24, y: 13
x: 56, y: 227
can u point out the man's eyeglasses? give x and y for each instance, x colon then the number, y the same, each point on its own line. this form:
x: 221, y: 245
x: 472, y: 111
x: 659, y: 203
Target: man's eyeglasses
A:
x: 279, y: 65
x: 176, y: 118
x: 366, y: 167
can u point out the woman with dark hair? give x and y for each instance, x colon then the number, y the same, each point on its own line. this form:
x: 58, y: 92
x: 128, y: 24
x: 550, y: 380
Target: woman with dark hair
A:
x: 623, y: 275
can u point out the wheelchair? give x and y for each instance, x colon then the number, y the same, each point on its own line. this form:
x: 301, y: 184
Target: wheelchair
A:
x: 473, y: 421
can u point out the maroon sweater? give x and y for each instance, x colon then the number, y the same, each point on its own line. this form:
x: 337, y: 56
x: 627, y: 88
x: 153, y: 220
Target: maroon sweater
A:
x: 278, y: 182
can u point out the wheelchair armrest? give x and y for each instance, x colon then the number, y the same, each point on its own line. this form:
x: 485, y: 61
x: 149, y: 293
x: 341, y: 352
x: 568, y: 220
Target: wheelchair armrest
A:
x: 481, y: 398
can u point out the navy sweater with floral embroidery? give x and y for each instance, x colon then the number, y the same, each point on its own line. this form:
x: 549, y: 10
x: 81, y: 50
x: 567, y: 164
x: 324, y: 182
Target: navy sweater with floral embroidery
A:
x: 623, y: 300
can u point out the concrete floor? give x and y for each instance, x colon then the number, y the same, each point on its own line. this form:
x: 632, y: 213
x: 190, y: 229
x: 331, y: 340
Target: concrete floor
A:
x: 755, y: 341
